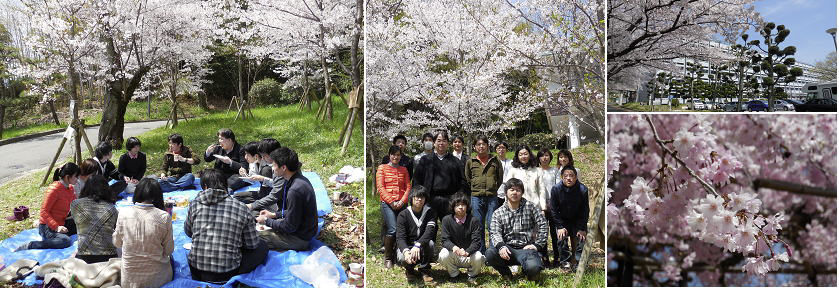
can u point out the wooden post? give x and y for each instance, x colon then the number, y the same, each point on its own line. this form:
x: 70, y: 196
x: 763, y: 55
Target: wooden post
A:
x: 86, y: 140
x: 55, y: 158
x: 593, y: 228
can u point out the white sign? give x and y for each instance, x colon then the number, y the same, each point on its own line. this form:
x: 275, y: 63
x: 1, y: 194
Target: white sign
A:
x: 70, y: 132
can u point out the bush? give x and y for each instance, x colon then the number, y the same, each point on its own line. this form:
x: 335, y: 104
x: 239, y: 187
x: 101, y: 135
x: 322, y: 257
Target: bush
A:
x: 268, y: 92
x: 675, y: 103
x: 535, y: 141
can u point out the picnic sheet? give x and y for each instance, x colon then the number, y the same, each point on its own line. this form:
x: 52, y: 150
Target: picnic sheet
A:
x: 273, y: 273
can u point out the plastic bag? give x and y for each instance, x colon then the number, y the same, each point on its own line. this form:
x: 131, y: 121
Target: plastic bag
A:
x: 318, y: 269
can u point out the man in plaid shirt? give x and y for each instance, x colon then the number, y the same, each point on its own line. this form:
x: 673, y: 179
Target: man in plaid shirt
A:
x: 223, y: 232
x: 511, y: 234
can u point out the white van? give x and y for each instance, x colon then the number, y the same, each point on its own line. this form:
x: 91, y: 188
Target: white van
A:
x: 820, y: 90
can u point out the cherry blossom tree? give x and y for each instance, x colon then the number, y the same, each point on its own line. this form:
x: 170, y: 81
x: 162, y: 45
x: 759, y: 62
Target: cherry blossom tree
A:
x: 722, y: 200
x: 645, y: 35
x: 138, y: 36
x: 298, y: 33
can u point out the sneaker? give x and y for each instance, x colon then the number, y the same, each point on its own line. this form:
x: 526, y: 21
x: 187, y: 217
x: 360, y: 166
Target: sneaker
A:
x: 23, y: 247
x: 472, y: 281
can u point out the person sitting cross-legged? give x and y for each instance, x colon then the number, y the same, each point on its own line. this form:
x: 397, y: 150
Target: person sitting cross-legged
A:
x: 462, y: 240
x: 511, y: 234
x: 223, y: 232
x: 177, y: 165
x: 296, y: 221
x: 416, y: 230
x: 132, y: 164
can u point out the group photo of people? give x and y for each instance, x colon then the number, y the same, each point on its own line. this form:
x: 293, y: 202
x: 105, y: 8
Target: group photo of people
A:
x: 516, y: 210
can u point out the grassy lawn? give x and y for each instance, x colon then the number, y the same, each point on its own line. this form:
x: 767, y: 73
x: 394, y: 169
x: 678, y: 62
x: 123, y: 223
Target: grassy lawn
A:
x: 315, y: 141
x: 135, y: 111
x: 588, y: 160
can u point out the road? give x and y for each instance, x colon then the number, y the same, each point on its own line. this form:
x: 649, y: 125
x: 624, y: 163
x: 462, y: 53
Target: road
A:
x: 36, y: 153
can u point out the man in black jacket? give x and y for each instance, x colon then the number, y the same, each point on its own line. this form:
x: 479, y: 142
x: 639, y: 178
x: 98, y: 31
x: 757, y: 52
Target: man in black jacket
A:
x: 569, y: 209
x: 296, y: 221
x: 441, y: 173
x: 229, y: 158
x: 416, y: 230
x: 462, y: 240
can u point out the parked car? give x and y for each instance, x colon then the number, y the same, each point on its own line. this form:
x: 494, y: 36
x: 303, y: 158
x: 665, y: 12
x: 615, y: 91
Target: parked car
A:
x: 730, y: 107
x: 782, y: 105
x: 696, y: 105
x: 711, y: 105
x: 757, y: 105
x: 817, y: 105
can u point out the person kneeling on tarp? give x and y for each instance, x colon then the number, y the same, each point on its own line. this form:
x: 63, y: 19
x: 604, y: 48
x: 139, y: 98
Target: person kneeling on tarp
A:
x: 416, y: 230
x: 296, y: 221
x: 224, y: 238
x: 511, y: 234
x: 462, y: 239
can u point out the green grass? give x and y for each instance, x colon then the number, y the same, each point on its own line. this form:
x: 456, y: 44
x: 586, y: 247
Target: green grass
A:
x: 589, y: 159
x: 315, y: 141
x: 135, y: 111
x: 31, y: 129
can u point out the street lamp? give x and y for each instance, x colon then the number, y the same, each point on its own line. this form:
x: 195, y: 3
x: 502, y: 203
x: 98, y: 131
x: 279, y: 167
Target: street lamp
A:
x: 832, y: 32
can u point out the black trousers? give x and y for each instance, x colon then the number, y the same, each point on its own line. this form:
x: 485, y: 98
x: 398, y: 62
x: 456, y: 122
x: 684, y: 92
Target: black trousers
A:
x: 250, y: 260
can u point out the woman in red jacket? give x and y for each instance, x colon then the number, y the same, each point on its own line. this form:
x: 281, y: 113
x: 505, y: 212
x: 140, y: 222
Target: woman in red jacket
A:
x: 393, y: 184
x: 54, y: 210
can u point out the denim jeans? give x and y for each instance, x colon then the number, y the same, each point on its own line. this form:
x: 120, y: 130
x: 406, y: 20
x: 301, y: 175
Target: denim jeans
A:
x: 51, y: 239
x: 530, y: 261
x: 170, y: 183
x: 389, y: 217
x: 482, y: 209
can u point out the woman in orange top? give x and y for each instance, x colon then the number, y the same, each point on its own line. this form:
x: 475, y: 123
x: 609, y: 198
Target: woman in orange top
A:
x: 393, y: 184
x: 54, y: 210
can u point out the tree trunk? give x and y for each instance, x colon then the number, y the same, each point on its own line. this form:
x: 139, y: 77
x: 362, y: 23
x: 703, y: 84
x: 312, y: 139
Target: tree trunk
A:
x: 118, y: 93
x: 2, y: 119
x: 173, y: 95
x: 74, y: 95
x: 306, y: 99
x: 327, y: 89
x: 355, y: 63
x: 240, y: 86
x: 54, y: 115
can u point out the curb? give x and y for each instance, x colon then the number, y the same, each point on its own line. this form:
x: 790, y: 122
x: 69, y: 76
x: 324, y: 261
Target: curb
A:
x: 50, y: 132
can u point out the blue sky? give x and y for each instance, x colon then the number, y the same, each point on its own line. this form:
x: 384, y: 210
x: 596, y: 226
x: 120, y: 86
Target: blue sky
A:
x: 807, y: 21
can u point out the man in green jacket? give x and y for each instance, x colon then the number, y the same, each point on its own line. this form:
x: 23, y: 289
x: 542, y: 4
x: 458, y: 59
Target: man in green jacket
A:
x: 483, y: 174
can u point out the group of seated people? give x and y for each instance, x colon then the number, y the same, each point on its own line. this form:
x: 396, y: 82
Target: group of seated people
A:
x: 221, y: 222
x: 520, y: 202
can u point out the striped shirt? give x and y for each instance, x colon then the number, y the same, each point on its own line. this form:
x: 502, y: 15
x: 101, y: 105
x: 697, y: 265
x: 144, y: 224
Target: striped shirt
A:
x: 392, y: 183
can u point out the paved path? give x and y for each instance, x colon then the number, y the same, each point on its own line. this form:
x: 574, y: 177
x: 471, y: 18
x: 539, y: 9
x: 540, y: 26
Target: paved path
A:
x: 35, y: 154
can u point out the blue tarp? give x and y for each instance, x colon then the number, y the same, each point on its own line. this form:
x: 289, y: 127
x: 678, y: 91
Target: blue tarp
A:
x: 274, y: 273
